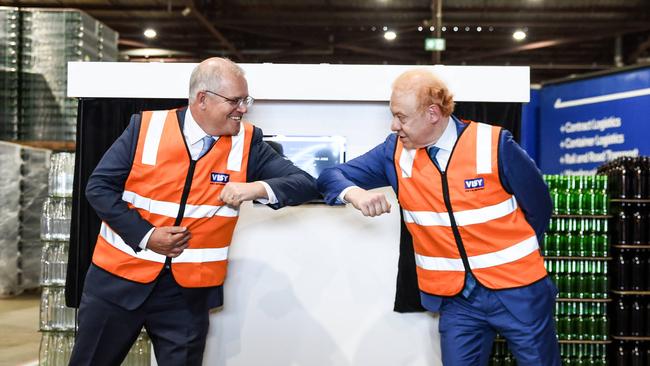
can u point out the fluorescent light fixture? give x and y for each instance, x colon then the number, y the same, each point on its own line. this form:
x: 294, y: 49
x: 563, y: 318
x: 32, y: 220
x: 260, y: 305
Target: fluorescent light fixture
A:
x: 150, y: 33
x: 390, y: 35
x: 519, y: 35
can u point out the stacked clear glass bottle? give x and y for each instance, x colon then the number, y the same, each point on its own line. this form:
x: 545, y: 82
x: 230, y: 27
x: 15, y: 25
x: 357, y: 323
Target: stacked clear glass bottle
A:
x: 57, y: 321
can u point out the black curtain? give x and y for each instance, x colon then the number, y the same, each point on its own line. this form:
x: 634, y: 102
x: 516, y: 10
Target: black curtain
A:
x: 506, y: 115
x: 407, y: 294
x: 100, y: 122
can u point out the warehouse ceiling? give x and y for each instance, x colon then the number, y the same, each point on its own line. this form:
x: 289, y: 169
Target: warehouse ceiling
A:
x: 563, y: 37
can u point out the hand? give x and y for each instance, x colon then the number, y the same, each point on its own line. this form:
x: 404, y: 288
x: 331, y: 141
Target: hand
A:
x: 233, y: 194
x: 369, y: 203
x: 169, y: 241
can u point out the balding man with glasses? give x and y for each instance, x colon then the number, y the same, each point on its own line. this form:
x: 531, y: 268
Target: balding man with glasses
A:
x: 168, y: 193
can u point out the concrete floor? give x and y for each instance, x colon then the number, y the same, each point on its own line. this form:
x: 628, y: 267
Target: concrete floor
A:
x: 19, y: 336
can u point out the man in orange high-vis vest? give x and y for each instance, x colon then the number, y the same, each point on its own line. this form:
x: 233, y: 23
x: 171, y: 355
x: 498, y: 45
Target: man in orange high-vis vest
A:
x: 476, y: 207
x: 168, y: 193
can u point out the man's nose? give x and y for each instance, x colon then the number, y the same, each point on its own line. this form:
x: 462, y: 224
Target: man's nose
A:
x: 242, y: 108
x: 394, y: 125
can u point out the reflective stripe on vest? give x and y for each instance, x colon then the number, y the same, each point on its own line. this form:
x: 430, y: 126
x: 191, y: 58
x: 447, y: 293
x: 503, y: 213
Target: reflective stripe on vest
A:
x: 155, y: 189
x: 188, y: 255
x: 494, y: 238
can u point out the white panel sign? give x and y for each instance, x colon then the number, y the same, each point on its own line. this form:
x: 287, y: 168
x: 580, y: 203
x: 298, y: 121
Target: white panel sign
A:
x: 296, y: 82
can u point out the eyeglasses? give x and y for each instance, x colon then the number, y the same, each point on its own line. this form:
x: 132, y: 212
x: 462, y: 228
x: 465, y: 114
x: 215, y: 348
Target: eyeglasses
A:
x: 237, y: 102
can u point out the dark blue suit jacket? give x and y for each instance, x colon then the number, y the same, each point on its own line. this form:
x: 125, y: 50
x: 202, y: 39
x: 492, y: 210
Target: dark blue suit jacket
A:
x: 291, y: 185
x: 519, y: 177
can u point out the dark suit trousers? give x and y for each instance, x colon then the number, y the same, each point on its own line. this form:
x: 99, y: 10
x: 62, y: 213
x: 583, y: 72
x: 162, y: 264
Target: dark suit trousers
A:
x: 107, y: 331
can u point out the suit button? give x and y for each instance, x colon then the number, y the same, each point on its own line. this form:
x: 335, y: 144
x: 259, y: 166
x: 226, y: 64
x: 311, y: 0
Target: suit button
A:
x: 167, y: 266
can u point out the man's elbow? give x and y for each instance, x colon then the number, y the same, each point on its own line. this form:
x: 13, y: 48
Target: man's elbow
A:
x: 93, y: 190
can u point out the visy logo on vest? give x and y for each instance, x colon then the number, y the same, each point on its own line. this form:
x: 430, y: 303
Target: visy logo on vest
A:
x: 474, y: 184
x: 219, y: 178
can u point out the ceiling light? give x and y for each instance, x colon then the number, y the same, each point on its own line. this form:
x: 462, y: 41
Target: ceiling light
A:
x: 466, y: 29
x: 150, y: 33
x: 519, y: 35
x: 420, y: 29
x: 385, y: 28
x: 432, y: 28
x: 478, y: 29
x: 444, y: 29
x: 390, y: 35
x: 455, y: 29
x: 186, y: 11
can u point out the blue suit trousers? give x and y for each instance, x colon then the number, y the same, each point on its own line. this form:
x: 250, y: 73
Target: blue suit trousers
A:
x: 468, y: 327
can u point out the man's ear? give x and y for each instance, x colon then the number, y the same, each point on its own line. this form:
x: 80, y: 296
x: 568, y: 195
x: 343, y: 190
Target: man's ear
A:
x: 201, y: 97
x: 434, y: 113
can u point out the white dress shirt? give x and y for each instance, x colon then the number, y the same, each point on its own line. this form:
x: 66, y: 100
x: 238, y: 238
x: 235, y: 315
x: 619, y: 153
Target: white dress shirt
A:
x: 194, y: 134
x: 445, y: 143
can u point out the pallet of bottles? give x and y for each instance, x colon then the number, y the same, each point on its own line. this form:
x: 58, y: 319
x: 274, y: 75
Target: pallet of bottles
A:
x: 578, y: 194
x: 57, y: 322
x: 24, y: 188
x: 579, y: 278
x: 582, y: 320
x: 50, y: 38
x: 582, y: 236
x: 9, y: 23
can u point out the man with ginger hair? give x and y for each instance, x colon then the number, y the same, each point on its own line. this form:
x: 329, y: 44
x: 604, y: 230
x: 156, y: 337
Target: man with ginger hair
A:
x: 476, y: 207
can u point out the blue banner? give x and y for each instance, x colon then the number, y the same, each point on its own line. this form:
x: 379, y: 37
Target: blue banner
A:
x: 586, y: 123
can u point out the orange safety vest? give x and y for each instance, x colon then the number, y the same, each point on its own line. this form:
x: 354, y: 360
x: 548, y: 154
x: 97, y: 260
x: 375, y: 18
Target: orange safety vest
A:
x: 167, y: 188
x: 463, y: 219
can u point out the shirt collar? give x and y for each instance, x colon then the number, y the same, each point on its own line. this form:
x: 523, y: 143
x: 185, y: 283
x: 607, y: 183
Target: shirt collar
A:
x: 449, y: 136
x: 191, y: 129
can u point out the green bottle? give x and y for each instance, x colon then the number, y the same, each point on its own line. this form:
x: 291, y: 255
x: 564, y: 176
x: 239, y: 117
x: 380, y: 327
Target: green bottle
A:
x: 580, y: 281
x: 602, y: 198
x: 589, y: 196
x: 563, y: 327
x: 555, y: 275
x: 563, y: 287
x: 570, y: 277
x: 558, y: 196
x: 592, y: 326
x: 604, y: 323
x: 573, y: 195
x: 604, y: 281
x: 592, y: 280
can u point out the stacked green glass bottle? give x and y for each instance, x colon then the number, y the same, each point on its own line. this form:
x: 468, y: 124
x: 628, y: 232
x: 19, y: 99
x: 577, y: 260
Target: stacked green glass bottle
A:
x: 584, y: 321
x: 579, y: 279
x: 577, y: 253
x: 573, y: 354
x: 501, y: 355
x: 578, y: 354
x: 578, y: 194
x: 577, y: 236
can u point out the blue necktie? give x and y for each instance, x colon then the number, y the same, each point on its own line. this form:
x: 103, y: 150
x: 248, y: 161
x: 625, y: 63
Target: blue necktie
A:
x: 433, y: 150
x: 208, y: 141
x: 470, y: 282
